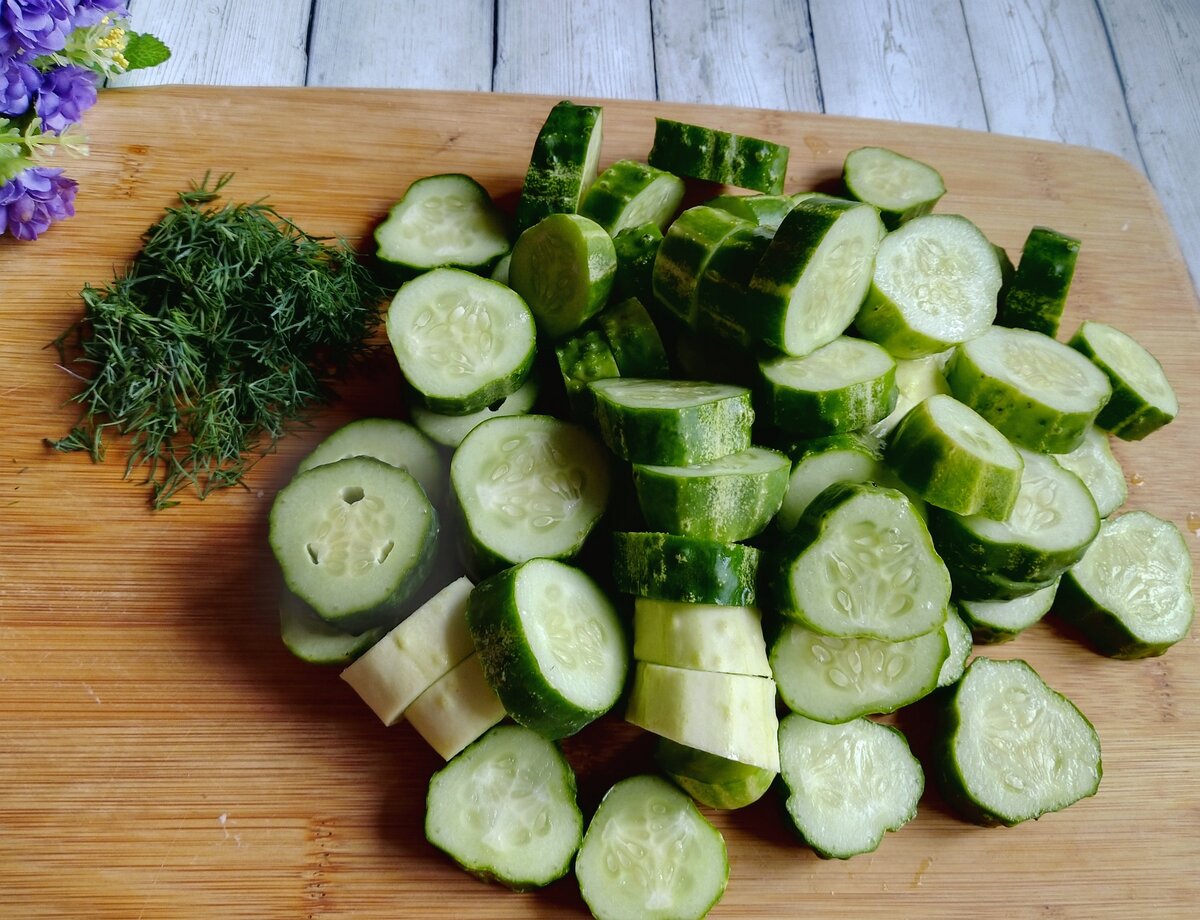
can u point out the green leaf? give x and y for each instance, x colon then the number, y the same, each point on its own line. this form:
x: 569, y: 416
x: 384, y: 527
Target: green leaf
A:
x: 145, y: 50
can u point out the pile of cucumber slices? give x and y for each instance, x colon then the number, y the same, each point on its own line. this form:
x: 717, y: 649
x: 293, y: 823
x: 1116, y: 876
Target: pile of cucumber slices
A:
x: 758, y: 472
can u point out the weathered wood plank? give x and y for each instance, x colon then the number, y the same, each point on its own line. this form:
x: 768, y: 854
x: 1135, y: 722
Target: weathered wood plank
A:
x: 1046, y: 70
x: 225, y: 41
x: 1157, y: 46
x: 584, y: 48
x: 736, y: 53
x: 905, y: 60
x: 418, y: 44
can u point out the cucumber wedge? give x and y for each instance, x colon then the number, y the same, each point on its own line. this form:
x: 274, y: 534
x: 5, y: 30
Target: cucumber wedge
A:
x: 916, y: 380
x: 1142, y: 399
x: 563, y: 165
x: 711, y: 780
x: 718, y: 156
x: 703, y: 637
x: 629, y: 194
x: 900, y: 187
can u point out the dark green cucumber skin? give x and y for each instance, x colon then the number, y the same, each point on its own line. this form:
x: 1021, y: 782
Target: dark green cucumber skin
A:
x: 683, y: 256
x: 983, y: 633
x: 1101, y: 627
x: 676, y: 568
x: 1038, y: 290
x: 718, y: 156
x: 561, y: 142
x: 636, y: 249
x: 1126, y: 414
x: 507, y: 660
x: 583, y: 357
x: 605, y: 201
x: 816, y: 415
x: 764, y: 210
x: 976, y: 585
x: 633, y: 337
x: 726, y: 306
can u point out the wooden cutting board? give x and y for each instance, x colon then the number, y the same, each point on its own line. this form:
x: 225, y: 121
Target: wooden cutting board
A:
x: 162, y: 755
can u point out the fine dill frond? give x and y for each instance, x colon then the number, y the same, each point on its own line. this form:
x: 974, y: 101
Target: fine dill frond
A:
x: 227, y: 327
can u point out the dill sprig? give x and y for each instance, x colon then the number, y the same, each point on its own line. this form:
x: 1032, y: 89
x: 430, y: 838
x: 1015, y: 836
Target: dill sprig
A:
x: 227, y: 327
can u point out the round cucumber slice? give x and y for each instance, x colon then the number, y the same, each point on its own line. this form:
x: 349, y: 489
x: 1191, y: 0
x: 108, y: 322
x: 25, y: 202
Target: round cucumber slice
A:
x: 900, y: 187
x: 1142, y: 399
x: 629, y: 194
x: 354, y: 539
x: 1094, y: 463
x: 671, y: 567
x: 504, y: 809
x: 462, y: 342
x: 1131, y: 593
x: 717, y: 782
x: 1011, y: 748
x: 703, y: 637
x: 311, y: 639
x: 1040, y: 394
x: 649, y: 854
x: 449, y: 430
x: 394, y: 442
x: 847, y: 784
x: 992, y: 622
x: 550, y: 644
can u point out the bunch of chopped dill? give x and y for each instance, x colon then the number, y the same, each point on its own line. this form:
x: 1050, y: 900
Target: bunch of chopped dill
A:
x: 228, y: 326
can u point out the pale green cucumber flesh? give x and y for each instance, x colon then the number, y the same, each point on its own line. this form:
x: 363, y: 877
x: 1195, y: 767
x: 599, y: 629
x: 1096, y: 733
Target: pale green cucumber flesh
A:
x: 899, y: 186
x: 449, y: 430
x: 394, y: 442
x: 443, y: 220
x: 818, y: 464
x: 629, y: 194
x: 1142, y: 398
x: 456, y: 709
x: 1000, y: 621
x: 311, y: 639
x: 958, y: 638
x: 1094, y: 463
x: 703, y: 637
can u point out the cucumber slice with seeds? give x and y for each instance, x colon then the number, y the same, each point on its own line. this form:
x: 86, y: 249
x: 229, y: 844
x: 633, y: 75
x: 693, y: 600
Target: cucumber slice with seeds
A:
x: 703, y: 637
x: 671, y: 567
x: 1131, y: 593
x: 394, y: 442
x: 1142, y: 399
x: 900, y: 187
x: 935, y: 285
x: 993, y: 622
x: 648, y: 854
x: 1011, y: 748
x: 550, y: 644
x: 462, y: 342
x: 563, y: 165
x: 718, y: 156
x: 1094, y: 463
x: 449, y: 430
x: 504, y: 809
x: 1037, y: 292
x: 629, y: 194
x: 847, y: 784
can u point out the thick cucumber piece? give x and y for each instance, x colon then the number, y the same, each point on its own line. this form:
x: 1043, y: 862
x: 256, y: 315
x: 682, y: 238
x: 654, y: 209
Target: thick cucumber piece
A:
x: 449, y: 430
x: 394, y: 442
x: 764, y: 210
x: 843, y: 386
x: 717, y: 782
x: 683, y: 256
x: 718, y: 156
x: 1142, y: 399
x: 820, y: 462
x: 859, y: 563
x: 550, y: 644
x: 834, y: 679
x: 504, y: 809
x: 637, y: 250
x: 953, y: 458
x: 1035, y: 296
x: 935, y: 284
x: 311, y: 639
x: 813, y: 276
x: 582, y: 357
x: 354, y: 540
x: 958, y: 637
x: 528, y: 486
x: 649, y: 854
x: 563, y: 165
x: 1051, y: 525
x: 916, y: 380
x: 636, y: 346
x: 444, y: 220
x: 847, y: 784
x: 729, y: 499
x: 730, y: 715
x: 725, y: 305
x: 993, y: 622
x: 564, y: 267
x: 671, y: 567
x: 414, y: 654
x: 1038, y: 392
x: 629, y: 194
x: 900, y: 187
x: 703, y: 637
x: 1131, y: 593
x: 1094, y: 463
x: 456, y: 709
x: 462, y: 342
x: 1011, y: 749
x: 672, y: 422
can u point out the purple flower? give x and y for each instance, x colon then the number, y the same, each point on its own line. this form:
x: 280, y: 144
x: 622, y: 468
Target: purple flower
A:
x: 34, y: 199
x: 35, y: 27
x: 90, y: 12
x: 66, y: 93
x: 18, y: 82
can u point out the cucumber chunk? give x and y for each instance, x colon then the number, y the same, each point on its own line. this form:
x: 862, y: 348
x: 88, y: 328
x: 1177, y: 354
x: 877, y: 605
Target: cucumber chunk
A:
x: 718, y: 156
x: 1094, y: 463
x: 916, y: 380
x: 504, y: 809
x: 443, y: 220
x: 449, y: 430
x: 1142, y: 399
x: 582, y: 357
x: 703, y: 637
x: 462, y: 342
x: 819, y: 463
x: 563, y: 164
x: 636, y: 346
x: 847, y: 784
x: 648, y: 854
x: 717, y: 782
x: 527, y: 486
x: 725, y: 307
x: 1039, y: 393
x: 311, y: 639
x: 671, y: 567
x: 629, y: 194
x: 859, y: 563
x: 1131, y: 593
x: 683, y: 256
x: 550, y: 644
x: 992, y: 622
x: 354, y: 540
x: 1011, y: 748
x: 637, y: 249
x: 1037, y: 292
x: 935, y: 284
x: 900, y: 187
x: 394, y: 442
x: 456, y: 708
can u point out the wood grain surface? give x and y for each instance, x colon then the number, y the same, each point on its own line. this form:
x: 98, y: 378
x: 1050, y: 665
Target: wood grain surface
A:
x: 162, y: 755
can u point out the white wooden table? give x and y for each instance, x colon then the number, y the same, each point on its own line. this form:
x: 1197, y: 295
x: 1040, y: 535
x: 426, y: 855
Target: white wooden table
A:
x: 1119, y: 75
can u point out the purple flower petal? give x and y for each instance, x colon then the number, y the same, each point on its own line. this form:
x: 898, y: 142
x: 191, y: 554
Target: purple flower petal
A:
x: 90, y: 12
x: 34, y: 199
x: 66, y: 93
x: 18, y: 82
x: 35, y: 27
